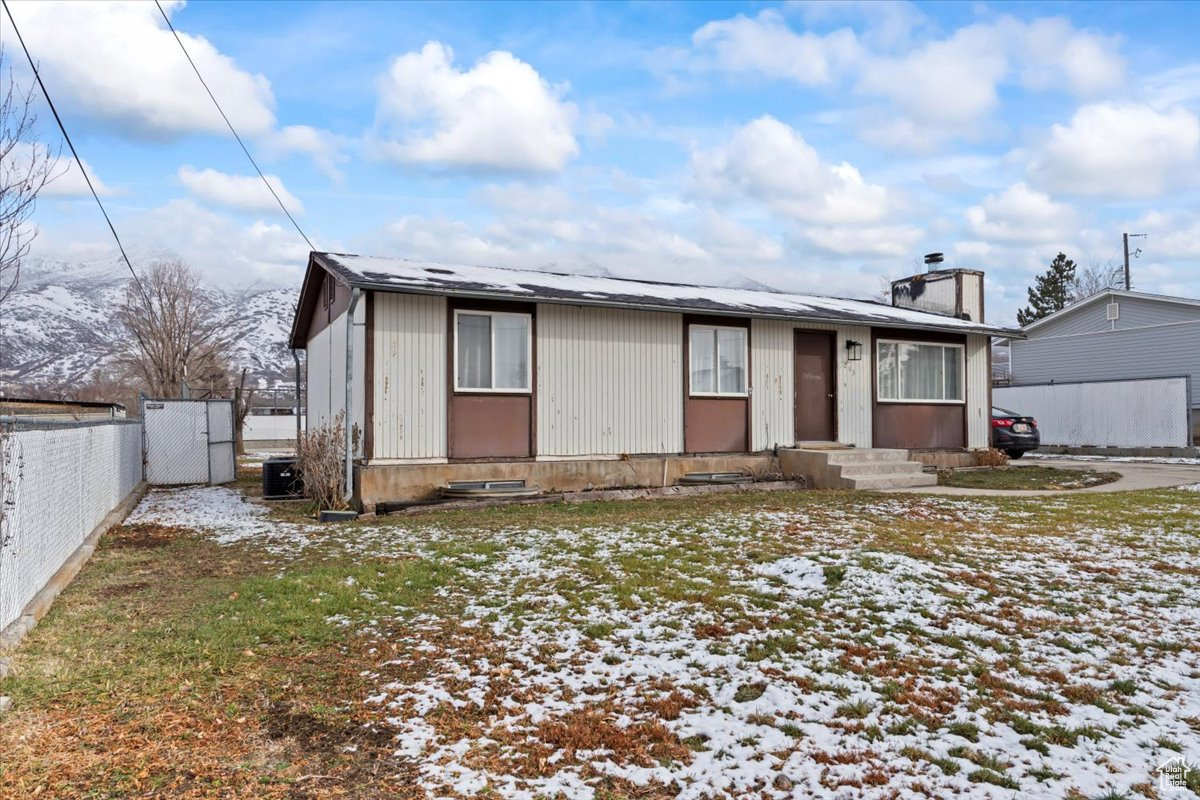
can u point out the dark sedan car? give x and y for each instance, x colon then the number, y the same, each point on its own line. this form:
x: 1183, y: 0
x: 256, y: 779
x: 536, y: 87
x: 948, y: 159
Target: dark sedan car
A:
x: 1014, y: 434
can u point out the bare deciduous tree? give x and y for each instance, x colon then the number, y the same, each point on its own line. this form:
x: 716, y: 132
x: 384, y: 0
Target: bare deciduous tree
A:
x: 180, y: 335
x: 243, y: 403
x: 1097, y: 278
x: 26, y: 166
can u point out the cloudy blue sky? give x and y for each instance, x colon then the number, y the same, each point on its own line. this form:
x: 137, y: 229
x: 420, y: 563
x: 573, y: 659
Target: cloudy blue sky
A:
x: 818, y: 147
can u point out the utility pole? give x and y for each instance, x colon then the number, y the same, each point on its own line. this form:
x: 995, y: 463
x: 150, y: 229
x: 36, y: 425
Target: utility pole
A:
x: 1126, y: 238
x: 1128, y: 283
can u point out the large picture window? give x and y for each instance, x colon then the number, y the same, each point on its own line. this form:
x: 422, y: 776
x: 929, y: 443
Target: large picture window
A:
x: 491, y: 352
x: 919, y: 372
x: 717, y: 360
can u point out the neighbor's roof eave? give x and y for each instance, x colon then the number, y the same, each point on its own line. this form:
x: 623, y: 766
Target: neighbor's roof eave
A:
x: 1087, y: 301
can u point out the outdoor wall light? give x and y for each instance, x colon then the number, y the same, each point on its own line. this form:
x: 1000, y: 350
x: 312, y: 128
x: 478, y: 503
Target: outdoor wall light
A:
x: 853, y: 350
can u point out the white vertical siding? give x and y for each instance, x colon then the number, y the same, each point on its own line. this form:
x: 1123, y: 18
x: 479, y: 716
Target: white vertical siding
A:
x: 609, y: 381
x: 772, y: 405
x: 772, y: 401
x: 327, y: 372
x: 317, y: 378
x: 409, y: 392
x: 972, y: 296
x: 979, y: 382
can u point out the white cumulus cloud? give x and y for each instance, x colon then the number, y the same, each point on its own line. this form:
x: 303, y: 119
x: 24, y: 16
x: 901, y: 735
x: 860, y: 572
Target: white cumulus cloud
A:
x: 1051, y: 54
x: 765, y: 44
x: 118, y: 62
x: 1121, y: 150
x: 770, y: 162
x: 500, y: 114
x: 325, y: 148
x: 1022, y: 215
x: 66, y: 179
x: 243, y: 192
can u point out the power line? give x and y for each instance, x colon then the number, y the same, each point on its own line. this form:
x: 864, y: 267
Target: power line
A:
x: 78, y: 162
x: 213, y: 97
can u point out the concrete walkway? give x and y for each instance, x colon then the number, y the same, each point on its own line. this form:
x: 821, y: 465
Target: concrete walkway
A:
x: 1134, y: 475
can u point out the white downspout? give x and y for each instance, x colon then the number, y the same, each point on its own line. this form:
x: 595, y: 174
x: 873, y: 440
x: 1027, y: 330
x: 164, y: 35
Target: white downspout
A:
x: 355, y: 294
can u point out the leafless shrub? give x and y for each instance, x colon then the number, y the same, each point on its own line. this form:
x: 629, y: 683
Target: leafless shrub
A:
x: 770, y: 471
x: 990, y: 457
x: 320, y: 458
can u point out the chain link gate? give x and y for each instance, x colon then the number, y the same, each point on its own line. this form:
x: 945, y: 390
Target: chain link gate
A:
x: 188, y: 441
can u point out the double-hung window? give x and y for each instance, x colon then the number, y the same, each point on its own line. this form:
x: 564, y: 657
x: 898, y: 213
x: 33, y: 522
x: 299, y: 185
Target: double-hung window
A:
x: 919, y: 372
x: 717, y: 361
x: 492, y: 351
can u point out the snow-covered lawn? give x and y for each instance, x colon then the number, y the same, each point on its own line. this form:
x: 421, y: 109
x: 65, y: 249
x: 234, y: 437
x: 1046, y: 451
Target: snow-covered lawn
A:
x: 844, y: 647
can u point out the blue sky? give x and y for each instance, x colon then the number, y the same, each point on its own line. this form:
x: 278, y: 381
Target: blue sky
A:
x: 817, y: 147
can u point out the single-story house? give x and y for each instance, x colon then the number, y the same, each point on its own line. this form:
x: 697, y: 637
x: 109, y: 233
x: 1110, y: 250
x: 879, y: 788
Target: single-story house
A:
x: 1113, y: 335
x: 573, y: 381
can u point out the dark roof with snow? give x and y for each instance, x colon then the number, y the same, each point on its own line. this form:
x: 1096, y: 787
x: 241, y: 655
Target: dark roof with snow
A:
x: 423, y: 277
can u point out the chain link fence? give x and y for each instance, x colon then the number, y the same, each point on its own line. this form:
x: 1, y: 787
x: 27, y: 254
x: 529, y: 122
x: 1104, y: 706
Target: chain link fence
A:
x: 57, y: 483
x: 1154, y: 412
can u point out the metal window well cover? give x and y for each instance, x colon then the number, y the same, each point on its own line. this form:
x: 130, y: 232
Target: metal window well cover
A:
x: 481, y: 490
x: 704, y: 478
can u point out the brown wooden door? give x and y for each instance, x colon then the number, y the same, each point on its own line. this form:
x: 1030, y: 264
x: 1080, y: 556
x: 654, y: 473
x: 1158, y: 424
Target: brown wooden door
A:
x: 816, y: 387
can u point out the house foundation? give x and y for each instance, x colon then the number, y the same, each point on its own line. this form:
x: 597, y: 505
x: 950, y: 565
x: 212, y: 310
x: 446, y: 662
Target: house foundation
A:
x: 406, y: 482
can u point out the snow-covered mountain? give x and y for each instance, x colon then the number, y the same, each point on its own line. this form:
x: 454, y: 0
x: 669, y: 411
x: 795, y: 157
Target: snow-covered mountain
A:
x: 59, y: 328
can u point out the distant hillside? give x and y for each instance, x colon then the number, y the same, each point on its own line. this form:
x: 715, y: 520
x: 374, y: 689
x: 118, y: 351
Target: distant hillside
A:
x: 60, y: 328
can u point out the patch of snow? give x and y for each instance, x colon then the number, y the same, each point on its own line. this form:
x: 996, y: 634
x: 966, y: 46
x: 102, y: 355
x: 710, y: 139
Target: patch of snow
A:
x: 1114, y: 459
x: 798, y: 574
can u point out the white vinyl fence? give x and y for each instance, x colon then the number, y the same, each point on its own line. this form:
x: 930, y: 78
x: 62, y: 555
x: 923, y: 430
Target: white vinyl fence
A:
x: 270, y: 428
x: 1142, y: 413
x: 59, y: 482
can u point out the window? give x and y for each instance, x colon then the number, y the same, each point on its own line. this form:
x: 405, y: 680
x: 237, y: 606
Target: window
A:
x: 491, y: 352
x: 919, y: 373
x: 717, y: 361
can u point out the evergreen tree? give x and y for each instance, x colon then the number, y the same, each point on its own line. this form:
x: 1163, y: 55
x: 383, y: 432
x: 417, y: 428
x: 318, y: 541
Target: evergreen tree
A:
x: 1050, y: 291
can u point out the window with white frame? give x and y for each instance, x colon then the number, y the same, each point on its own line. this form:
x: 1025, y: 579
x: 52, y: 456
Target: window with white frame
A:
x: 492, y: 351
x: 919, y: 372
x: 717, y: 360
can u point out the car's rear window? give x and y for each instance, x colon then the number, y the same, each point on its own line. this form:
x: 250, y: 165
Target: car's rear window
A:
x: 1000, y: 412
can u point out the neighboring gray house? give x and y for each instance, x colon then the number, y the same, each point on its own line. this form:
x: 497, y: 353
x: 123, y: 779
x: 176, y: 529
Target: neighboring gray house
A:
x: 1113, y: 335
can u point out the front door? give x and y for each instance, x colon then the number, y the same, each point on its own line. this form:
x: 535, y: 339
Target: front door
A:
x: 816, y: 387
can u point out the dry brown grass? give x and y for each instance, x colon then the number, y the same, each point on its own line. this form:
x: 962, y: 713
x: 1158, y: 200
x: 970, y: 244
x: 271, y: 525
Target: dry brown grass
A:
x: 595, y: 728
x: 224, y: 745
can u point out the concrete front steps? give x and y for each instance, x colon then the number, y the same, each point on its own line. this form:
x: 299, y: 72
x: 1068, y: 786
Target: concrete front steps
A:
x: 831, y: 466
